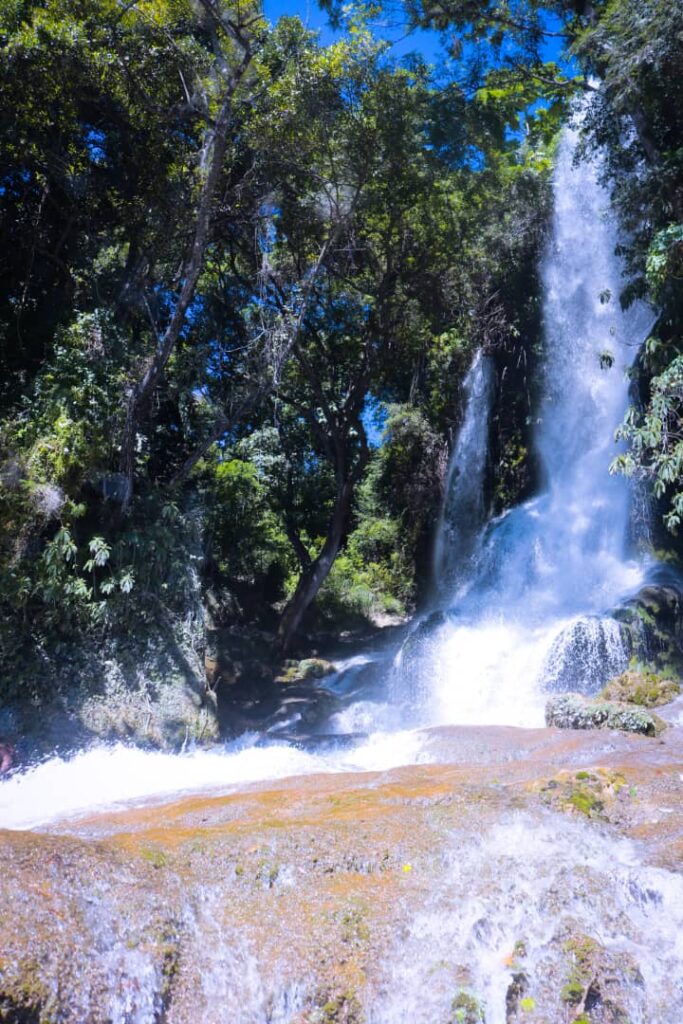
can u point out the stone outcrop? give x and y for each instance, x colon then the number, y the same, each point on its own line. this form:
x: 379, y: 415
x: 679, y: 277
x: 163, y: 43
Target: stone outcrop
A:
x: 642, y: 687
x: 654, y: 620
x: 435, y: 894
x: 148, y: 689
x: 574, y: 711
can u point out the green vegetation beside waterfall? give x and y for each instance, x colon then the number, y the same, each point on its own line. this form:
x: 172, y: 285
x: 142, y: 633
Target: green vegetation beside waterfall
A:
x: 244, y: 277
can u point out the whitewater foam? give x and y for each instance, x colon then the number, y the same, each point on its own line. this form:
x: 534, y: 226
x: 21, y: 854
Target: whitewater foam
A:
x: 119, y: 776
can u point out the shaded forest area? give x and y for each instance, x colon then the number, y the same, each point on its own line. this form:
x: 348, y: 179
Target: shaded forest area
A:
x: 244, y: 276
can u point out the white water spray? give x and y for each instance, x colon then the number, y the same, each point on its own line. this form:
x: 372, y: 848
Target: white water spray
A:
x: 508, y: 909
x: 464, y: 509
x: 115, y: 777
x: 531, y: 592
x: 530, y: 604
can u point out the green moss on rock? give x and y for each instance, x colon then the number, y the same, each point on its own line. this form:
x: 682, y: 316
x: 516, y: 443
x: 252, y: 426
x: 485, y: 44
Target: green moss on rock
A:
x: 466, y: 1009
x: 305, y: 670
x: 574, y: 711
x: 642, y: 687
x: 337, y: 1008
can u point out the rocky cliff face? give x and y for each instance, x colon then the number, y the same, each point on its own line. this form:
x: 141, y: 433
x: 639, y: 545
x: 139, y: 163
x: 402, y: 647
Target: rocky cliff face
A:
x: 532, y: 876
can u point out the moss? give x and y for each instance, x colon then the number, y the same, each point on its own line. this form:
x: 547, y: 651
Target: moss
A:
x: 572, y: 992
x: 267, y: 872
x: 527, y: 1005
x: 156, y: 857
x: 27, y: 1000
x: 315, y: 668
x: 587, y: 793
x: 643, y: 687
x: 338, y: 1008
x: 582, y: 952
x: 582, y: 948
x: 585, y: 802
x: 304, y: 671
x: 646, y: 616
x: 466, y: 1009
x: 574, y: 711
x: 354, y: 930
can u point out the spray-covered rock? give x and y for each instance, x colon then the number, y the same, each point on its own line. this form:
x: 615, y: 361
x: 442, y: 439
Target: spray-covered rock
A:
x: 643, y: 687
x: 574, y: 711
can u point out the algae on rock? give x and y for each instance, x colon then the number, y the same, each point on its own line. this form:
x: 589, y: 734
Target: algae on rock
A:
x: 643, y: 687
x: 574, y: 711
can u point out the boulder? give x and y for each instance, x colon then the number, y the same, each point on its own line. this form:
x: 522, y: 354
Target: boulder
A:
x: 147, y: 688
x: 642, y: 687
x: 305, y: 670
x: 574, y: 711
x: 414, y: 661
x: 654, y: 620
x: 587, y: 654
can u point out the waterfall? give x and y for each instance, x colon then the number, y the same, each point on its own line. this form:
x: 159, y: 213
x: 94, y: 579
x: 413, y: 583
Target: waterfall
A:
x: 525, y: 600
x: 464, y: 511
x: 529, y: 597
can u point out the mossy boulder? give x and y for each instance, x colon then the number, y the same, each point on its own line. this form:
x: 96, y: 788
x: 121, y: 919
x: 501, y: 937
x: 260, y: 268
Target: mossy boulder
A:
x: 654, y: 620
x: 574, y: 711
x: 591, y: 794
x: 595, y: 980
x: 305, y: 670
x: 642, y: 687
x: 466, y: 1009
x: 315, y: 668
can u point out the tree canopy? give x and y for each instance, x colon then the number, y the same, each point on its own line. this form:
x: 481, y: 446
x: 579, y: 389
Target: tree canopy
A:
x: 226, y: 247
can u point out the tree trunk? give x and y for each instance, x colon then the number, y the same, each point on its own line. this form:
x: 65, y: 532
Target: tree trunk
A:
x: 313, y: 577
x: 213, y: 156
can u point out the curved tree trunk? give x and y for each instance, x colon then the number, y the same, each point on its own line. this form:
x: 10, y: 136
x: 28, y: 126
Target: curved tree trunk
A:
x: 213, y: 156
x: 315, y: 574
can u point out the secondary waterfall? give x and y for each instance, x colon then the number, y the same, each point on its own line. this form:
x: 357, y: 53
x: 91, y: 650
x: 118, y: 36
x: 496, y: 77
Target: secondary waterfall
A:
x: 529, y: 599
x: 525, y: 599
x: 464, y: 510
x: 494, y: 885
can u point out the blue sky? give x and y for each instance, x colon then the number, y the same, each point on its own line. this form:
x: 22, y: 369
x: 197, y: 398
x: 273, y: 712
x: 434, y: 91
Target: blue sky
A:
x: 428, y: 44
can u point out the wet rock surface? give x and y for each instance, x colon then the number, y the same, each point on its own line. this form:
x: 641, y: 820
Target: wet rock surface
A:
x: 150, y: 691
x: 642, y: 687
x: 587, y: 654
x: 653, y: 619
x: 574, y: 711
x: 532, y: 875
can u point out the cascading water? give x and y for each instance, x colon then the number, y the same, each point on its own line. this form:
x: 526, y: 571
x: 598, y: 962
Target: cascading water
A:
x: 529, y: 595
x: 507, y: 905
x: 464, y: 508
x: 529, y: 607
x: 525, y: 888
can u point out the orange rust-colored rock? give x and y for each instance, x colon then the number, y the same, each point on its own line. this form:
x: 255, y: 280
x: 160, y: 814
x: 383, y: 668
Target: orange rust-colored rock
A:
x: 301, y: 897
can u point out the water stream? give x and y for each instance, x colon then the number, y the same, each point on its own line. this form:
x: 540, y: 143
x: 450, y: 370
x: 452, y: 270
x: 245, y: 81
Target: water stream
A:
x: 525, y: 607
x: 529, y: 597
x: 526, y: 598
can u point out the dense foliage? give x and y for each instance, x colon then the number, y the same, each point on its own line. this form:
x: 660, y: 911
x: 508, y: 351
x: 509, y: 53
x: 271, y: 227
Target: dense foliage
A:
x: 244, y: 275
